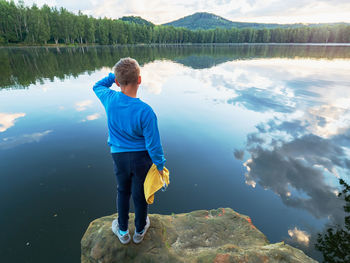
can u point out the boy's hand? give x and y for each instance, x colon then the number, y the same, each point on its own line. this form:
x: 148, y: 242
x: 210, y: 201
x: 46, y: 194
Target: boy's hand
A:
x: 160, y: 171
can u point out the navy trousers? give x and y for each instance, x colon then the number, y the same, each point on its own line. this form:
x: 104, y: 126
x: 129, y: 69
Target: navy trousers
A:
x: 131, y: 169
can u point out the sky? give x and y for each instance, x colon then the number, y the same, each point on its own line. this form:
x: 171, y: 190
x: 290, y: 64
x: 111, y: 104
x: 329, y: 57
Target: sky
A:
x: 263, y: 11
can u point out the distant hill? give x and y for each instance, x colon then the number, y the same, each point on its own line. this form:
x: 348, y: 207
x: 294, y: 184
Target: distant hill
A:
x: 201, y: 21
x: 137, y: 20
x: 210, y: 21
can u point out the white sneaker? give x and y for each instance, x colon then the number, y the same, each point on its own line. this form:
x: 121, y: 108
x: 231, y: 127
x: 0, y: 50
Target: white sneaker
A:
x: 124, y: 239
x: 138, y: 237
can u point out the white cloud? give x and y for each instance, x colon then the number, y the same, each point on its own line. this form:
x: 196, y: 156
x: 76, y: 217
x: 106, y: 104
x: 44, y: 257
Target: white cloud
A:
x: 10, y: 142
x: 7, y: 120
x: 155, y: 74
x: 92, y: 117
x: 288, y: 76
x: 162, y: 11
x: 302, y: 237
x: 308, y: 12
x: 83, y: 105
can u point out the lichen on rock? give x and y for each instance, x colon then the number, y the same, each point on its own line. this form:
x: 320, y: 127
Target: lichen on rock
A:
x: 219, y: 235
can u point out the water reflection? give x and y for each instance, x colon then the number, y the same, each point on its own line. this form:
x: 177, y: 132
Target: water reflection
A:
x: 302, y: 150
x: 7, y: 120
x: 260, y: 100
x: 11, y: 142
x: 92, y: 117
x: 299, y: 236
x: 299, y: 172
x: 155, y: 74
x: 304, y: 147
x: 21, y: 67
x: 83, y: 105
x: 283, y: 109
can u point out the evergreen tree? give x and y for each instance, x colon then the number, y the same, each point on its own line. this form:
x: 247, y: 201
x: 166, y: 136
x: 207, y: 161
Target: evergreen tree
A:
x: 32, y: 25
x: 335, y: 243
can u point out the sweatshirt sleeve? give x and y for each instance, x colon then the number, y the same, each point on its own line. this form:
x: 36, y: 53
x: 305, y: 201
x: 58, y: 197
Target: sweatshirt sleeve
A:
x: 101, y: 88
x: 152, y: 139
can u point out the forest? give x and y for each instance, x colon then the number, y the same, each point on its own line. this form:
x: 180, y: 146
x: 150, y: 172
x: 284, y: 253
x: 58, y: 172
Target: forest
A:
x: 21, y: 67
x: 20, y: 24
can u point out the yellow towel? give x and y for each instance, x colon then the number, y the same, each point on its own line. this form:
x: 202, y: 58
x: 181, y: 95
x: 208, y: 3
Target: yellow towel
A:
x: 154, y: 181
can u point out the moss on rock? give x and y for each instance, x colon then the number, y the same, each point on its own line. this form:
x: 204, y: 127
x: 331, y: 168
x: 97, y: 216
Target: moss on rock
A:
x: 219, y: 235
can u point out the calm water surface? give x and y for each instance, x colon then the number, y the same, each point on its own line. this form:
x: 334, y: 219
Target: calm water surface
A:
x: 264, y: 130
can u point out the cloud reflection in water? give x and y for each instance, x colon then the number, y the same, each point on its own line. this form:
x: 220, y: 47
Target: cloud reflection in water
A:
x: 299, y: 236
x: 83, y: 105
x: 7, y: 120
x: 11, y: 142
x: 301, y: 151
x: 303, y: 148
x: 92, y: 117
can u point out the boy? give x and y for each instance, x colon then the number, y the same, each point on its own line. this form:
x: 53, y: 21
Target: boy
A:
x: 135, y: 144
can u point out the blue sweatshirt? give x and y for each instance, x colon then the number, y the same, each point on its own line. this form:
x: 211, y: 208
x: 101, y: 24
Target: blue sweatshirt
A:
x: 132, y: 124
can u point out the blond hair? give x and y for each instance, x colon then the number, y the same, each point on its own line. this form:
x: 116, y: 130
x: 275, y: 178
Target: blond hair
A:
x: 127, y: 71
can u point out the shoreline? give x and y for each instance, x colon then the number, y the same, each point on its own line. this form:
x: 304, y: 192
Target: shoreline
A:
x: 175, y: 44
x: 216, y: 235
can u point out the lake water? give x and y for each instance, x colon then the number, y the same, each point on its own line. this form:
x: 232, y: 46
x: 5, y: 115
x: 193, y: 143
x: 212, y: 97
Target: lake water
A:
x: 263, y: 129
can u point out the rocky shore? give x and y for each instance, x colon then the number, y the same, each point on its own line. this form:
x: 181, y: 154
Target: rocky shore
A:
x: 220, y: 235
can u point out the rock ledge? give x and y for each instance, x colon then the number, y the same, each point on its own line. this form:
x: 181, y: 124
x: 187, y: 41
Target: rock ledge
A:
x: 220, y: 235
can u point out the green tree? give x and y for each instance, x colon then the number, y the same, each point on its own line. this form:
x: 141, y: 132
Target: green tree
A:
x: 37, y: 26
x: 8, y: 21
x: 55, y: 26
x: 89, y: 30
x: 80, y: 29
x: 44, y: 27
x: 335, y: 243
x: 65, y: 25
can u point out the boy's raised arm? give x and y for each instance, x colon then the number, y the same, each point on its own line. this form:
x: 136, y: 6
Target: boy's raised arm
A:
x: 101, y: 87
